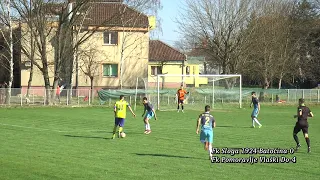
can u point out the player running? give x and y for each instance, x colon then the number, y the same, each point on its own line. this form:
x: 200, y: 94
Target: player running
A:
x: 120, y: 111
x: 256, y: 109
x: 207, y: 123
x: 180, y: 96
x: 302, y: 123
x: 148, y: 107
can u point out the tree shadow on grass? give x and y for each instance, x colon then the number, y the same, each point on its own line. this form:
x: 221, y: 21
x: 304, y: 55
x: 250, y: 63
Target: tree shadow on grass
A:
x: 167, y: 156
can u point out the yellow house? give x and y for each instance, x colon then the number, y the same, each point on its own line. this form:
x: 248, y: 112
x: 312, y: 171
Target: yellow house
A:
x: 118, y: 51
x: 164, y: 59
x: 194, y: 67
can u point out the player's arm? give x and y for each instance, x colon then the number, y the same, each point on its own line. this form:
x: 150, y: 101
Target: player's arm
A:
x: 177, y: 96
x: 134, y: 115
x: 310, y: 114
x: 198, y: 125
x: 144, y: 111
x: 258, y: 106
x: 115, y: 109
x: 155, y: 115
x: 214, y: 123
x: 299, y: 113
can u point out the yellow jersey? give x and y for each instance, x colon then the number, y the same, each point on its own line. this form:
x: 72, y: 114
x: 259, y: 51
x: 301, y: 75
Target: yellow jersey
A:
x: 121, y: 108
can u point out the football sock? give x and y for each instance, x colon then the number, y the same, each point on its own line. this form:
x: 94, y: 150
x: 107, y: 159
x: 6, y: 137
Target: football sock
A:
x: 178, y: 107
x: 149, y: 127
x: 210, y: 150
x: 146, y: 126
x: 252, y: 122
x: 295, y: 137
x: 308, y: 142
x: 115, y: 129
x: 120, y: 129
x: 182, y: 107
x: 256, y: 120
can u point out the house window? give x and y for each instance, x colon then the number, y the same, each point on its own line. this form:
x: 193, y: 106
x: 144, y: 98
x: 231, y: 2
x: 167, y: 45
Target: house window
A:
x: 110, y: 70
x: 188, y: 70
x: 110, y: 38
x: 155, y: 70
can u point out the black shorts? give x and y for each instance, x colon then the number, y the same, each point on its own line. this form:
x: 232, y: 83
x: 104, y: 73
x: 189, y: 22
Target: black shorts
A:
x: 180, y: 101
x: 298, y: 127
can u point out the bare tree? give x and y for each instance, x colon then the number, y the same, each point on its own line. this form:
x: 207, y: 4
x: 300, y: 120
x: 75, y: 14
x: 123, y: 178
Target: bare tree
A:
x: 270, y: 43
x: 305, y: 32
x: 27, y: 37
x: 221, y: 23
x: 132, y: 43
x: 287, y: 63
x: 6, y: 21
x: 53, y: 21
x: 90, y: 61
x: 60, y: 22
x: 41, y: 33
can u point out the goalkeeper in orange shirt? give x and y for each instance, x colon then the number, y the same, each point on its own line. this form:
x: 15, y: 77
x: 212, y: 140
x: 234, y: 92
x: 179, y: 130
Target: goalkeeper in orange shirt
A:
x: 180, y: 96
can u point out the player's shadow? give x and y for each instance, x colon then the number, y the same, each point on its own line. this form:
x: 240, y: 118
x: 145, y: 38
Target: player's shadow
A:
x: 166, y: 155
x: 233, y: 127
x: 88, y: 137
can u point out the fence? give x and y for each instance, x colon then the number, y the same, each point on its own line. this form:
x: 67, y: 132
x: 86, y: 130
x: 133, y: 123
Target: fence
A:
x: 286, y: 95
x: 39, y: 97
x: 78, y: 97
x: 83, y: 97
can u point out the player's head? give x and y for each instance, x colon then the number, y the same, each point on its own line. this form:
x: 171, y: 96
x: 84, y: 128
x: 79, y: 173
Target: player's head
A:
x: 253, y: 94
x: 144, y: 100
x: 301, y: 101
x: 181, y: 87
x: 207, y: 108
x: 121, y: 97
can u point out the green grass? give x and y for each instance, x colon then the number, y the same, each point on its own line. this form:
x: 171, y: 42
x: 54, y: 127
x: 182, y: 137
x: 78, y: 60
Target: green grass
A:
x: 74, y: 143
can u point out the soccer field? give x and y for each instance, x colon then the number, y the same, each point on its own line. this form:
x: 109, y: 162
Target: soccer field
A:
x: 74, y: 143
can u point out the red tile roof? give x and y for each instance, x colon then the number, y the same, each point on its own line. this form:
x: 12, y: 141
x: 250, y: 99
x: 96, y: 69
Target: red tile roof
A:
x: 108, y: 14
x: 115, y: 14
x: 159, y: 51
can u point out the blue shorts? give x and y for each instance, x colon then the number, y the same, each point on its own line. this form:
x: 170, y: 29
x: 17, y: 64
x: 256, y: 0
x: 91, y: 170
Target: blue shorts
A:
x: 149, y: 115
x: 206, y: 136
x: 255, y: 112
x: 119, y: 122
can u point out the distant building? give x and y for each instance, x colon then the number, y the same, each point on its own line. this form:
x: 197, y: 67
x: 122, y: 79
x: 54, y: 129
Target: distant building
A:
x: 164, y: 59
x: 119, y: 37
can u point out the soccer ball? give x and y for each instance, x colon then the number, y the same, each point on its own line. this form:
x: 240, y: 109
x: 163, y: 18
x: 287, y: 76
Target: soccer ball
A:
x: 123, y: 135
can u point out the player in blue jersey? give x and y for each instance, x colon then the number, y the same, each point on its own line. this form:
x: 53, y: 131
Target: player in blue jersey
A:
x: 256, y: 109
x: 148, y: 107
x: 207, y: 122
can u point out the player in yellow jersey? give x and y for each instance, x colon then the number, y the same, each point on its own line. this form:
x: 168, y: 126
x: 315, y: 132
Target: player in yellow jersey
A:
x: 120, y: 111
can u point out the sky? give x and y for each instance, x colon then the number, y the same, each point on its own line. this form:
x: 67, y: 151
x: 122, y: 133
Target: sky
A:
x: 168, y: 15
